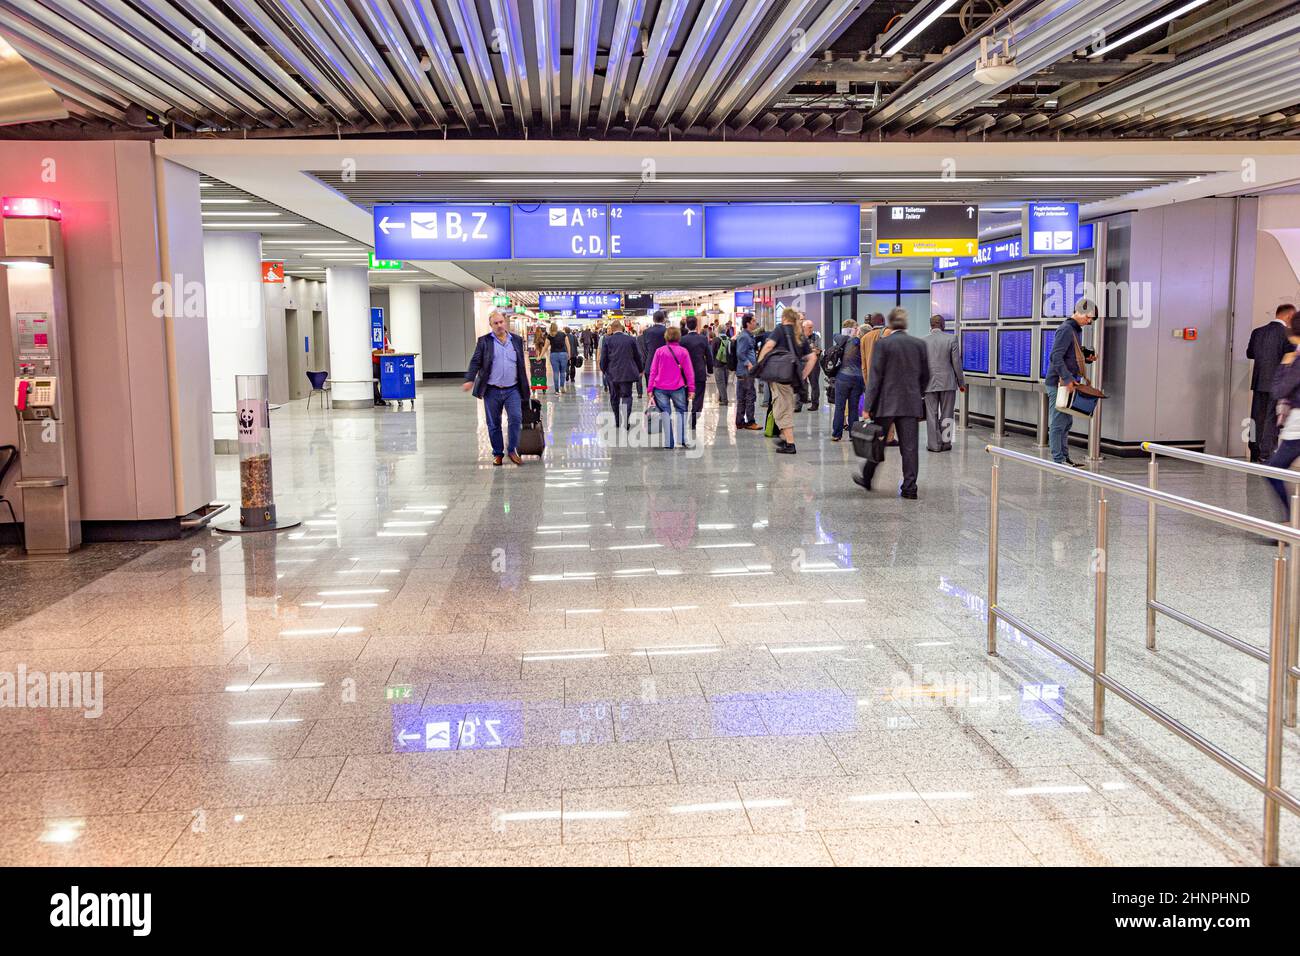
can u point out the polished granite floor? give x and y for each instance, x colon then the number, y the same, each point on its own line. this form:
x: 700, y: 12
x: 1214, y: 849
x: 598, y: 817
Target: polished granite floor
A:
x: 623, y: 655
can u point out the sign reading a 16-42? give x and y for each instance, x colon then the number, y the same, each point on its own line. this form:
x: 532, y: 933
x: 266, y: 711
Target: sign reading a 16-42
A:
x: 550, y: 231
x: 446, y: 231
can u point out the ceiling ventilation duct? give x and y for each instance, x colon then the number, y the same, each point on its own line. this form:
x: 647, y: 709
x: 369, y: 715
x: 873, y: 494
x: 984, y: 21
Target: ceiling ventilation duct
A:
x: 25, y: 97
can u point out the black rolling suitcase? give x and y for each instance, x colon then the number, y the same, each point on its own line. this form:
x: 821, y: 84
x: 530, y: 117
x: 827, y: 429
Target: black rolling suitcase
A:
x: 868, y: 440
x: 532, y: 440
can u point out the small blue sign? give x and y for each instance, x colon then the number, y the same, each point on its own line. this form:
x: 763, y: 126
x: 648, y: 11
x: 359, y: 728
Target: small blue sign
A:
x: 556, y: 301
x: 442, y: 231
x: 828, y: 277
x: 1004, y: 250
x: 376, y: 328
x: 744, y: 299
x: 1050, y: 228
x: 552, y: 231
x: 656, y: 231
x: 782, y: 230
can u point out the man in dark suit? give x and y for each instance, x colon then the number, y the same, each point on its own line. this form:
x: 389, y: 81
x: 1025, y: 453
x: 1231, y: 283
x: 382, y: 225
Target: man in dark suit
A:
x: 946, y: 379
x: 498, y: 374
x: 900, y: 372
x: 701, y: 358
x: 651, y: 341
x: 1268, y: 344
x: 620, y: 364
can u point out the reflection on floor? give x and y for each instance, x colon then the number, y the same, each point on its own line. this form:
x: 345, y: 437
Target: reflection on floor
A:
x: 625, y: 655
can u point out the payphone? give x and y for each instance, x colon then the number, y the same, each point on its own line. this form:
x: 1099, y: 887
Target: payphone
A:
x: 42, y: 395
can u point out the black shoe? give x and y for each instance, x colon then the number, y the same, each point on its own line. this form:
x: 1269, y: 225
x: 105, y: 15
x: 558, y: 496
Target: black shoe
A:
x: 785, y: 448
x: 1074, y: 464
x: 862, y: 481
x: 909, y: 495
x: 798, y: 409
x: 892, y: 444
x: 813, y: 407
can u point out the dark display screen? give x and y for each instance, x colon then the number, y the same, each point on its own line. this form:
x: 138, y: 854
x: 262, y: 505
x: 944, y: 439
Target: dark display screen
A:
x: 1062, y: 287
x: 976, y: 297
x: 975, y: 351
x: 1016, y: 295
x: 1015, y: 352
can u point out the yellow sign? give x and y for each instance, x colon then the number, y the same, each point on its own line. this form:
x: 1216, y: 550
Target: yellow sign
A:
x: 926, y: 248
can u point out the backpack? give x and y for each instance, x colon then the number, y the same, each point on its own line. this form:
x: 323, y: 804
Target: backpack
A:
x: 832, y: 359
x: 724, y: 350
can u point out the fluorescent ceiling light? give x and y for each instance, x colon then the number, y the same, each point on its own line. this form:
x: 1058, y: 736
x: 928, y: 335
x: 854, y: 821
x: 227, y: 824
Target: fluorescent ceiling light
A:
x: 1083, y: 179
x: 246, y: 212
x: 253, y: 225
x: 913, y: 180
x: 225, y: 202
x: 310, y: 242
x: 912, y: 34
x: 1160, y: 21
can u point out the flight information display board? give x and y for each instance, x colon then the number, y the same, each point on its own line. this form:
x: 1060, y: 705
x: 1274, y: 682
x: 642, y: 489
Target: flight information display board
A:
x: 1016, y: 294
x: 943, y: 298
x: 1062, y: 287
x: 976, y: 297
x: 1015, y: 352
x: 639, y: 300
x: 552, y: 231
x: 744, y: 299
x: 1045, y: 338
x: 975, y: 351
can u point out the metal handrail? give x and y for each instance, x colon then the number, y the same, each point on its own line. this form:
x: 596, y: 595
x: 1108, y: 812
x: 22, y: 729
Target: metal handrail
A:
x: 1155, y: 606
x: 1270, y: 782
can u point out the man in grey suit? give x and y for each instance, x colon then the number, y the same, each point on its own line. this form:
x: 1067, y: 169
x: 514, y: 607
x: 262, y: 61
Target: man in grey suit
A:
x: 946, y: 379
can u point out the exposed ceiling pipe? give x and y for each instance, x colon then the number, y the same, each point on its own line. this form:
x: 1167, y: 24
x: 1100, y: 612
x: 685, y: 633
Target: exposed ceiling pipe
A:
x: 514, y: 58
x: 724, y: 60
x: 751, y: 74
x: 474, y: 47
x: 546, y: 23
x: 586, y: 31
x: 832, y: 19
x: 691, y: 61
x: 424, y: 23
x: 336, y: 17
x: 385, y: 25
x: 217, y: 24
x: 84, y: 46
x: 622, y: 47
x: 671, y: 16
x: 340, y: 73
x: 223, y: 65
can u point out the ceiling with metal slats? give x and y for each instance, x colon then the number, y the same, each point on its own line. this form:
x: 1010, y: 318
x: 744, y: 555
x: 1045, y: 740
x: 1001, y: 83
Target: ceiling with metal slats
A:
x: 779, y: 70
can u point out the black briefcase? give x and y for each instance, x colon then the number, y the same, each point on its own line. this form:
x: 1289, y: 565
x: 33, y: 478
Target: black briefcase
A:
x: 868, y: 440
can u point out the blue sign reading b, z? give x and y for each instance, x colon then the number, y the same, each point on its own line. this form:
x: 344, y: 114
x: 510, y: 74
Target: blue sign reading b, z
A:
x: 442, y: 231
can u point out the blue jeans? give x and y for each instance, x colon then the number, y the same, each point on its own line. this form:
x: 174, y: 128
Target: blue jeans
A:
x: 677, y: 399
x: 559, y: 369
x: 1288, y: 450
x: 494, y: 400
x: 848, y: 393
x: 1058, y: 428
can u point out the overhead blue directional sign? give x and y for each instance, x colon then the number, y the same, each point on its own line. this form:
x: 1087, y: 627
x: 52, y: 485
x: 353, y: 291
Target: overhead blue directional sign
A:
x: 1050, y: 228
x: 656, y: 231
x: 600, y: 300
x: 442, y: 231
x: 772, y: 230
x: 1011, y: 249
x: 552, y: 231
x: 556, y: 301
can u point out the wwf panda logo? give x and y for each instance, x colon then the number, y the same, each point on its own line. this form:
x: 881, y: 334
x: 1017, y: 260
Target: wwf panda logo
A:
x: 246, y: 421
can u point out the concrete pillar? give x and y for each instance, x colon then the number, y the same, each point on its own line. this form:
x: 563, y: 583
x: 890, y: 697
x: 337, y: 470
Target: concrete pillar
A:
x: 347, y: 294
x: 404, y: 323
x: 232, y: 265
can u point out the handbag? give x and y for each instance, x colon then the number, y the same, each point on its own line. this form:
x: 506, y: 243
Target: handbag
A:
x: 577, y: 361
x: 779, y: 365
x: 1083, y: 398
x: 769, y: 426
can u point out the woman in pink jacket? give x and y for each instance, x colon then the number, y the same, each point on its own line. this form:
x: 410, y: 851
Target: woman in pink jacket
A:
x: 672, y: 383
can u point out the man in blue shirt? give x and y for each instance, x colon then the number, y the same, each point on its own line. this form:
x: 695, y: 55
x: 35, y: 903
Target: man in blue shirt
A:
x: 1063, y: 371
x: 746, y: 356
x: 498, y: 374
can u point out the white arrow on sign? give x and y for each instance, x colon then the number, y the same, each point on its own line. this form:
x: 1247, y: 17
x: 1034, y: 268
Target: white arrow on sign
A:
x: 385, y: 224
x: 689, y: 214
x: 406, y: 737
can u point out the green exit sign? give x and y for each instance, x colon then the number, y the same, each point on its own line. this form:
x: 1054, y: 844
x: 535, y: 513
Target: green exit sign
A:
x: 399, y: 692
x: 384, y: 263
x: 500, y: 301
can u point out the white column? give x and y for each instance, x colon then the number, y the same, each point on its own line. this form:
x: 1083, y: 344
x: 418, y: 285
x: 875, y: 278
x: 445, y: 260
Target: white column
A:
x: 232, y: 265
x: 347, y: 296
x: 404, y: 323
